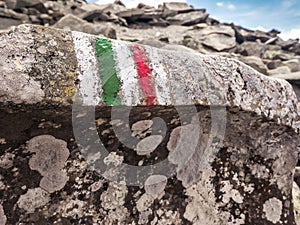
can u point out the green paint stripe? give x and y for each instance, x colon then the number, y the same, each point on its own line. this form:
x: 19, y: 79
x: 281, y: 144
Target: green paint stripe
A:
x: 108, y: 75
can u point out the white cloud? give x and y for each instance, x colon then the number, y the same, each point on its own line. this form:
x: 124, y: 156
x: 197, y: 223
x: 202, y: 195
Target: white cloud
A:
x: 260, y: 28
x: 290, y: 34
x: 220, y: 4
x: 231, y: 7
x: 227, y: 5
x: 134, y: 3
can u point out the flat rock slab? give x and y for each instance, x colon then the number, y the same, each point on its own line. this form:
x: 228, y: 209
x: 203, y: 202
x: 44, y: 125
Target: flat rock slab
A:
x: 226, y: 137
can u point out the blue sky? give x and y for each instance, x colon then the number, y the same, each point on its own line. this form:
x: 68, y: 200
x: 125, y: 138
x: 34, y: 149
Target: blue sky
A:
x: 283, y: 15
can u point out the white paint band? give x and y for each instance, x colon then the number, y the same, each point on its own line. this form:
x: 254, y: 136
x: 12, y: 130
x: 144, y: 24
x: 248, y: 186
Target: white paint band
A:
x: 90, y: 84
x: 127, y: 73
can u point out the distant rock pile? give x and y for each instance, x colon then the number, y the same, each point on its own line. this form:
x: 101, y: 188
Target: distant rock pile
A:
x: 173, y: 26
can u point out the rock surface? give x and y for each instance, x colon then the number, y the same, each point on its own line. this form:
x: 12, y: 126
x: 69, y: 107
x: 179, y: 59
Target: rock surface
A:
x: 226, y: 151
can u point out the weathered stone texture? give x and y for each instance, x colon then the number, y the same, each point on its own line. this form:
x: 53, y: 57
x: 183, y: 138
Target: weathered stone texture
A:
x: 227, y: 137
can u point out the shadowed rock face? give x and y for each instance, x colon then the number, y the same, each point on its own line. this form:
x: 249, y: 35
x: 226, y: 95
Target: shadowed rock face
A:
x: 186, y: 138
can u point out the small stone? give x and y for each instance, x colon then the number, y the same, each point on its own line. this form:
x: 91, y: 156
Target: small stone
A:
x: 155, y: 185
x: 148, y: 145
x: 141, y: 128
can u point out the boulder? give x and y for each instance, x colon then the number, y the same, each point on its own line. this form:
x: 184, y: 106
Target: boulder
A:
x: 250, y: 35
x: 296, y: 49
x: 280, y: 70
x: 188, y: 19
x: 21, y: 4
x: 215, y: 38
x: 131, y: 14
x: 294, y: 80
x: 178, y: 7
x: 286, y: 45
x: 282, y: 56
x: 255, y: 63
x: 221, y: 147
x: 3, y: 5
x: 293, y: 64
x: 71, y: 22
x: 251, y: 49
x: 10, y: 18
x: 93, y: 7
x: 219, y: 42
x: 273, y: 64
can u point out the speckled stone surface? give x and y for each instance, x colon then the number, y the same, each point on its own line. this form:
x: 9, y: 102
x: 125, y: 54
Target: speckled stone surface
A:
x: 218, y: 146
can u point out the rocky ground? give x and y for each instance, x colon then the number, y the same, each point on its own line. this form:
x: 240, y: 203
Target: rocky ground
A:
x: 171, y: 26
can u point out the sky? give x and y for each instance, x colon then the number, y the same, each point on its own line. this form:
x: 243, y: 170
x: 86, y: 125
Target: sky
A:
x: 283, y: 15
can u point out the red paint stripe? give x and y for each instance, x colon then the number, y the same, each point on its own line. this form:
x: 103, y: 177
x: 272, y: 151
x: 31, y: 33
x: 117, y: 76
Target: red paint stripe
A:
x: 144, y: 73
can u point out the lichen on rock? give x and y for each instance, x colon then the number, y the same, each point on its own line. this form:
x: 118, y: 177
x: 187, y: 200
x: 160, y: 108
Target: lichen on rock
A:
x: 273, y: 210
x: 49, y: 159
x: 33, y: 199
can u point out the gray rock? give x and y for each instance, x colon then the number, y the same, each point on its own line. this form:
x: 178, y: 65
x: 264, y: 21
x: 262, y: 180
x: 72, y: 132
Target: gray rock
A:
x: 8, y: 22
x: 131, y: 14
x: 256, y: 121
x: 280, y: 70
x: 188, y: 19
x: 286, y: 45
x: 293, y: 64
x: 288, y: 76
x: 178, y: 7
x: 218, y: 29
x: 219, y: 42
x: 273, y: 64
x: 282, y: 56
x: 8, y: 13
x: 11, y: 4
x: 3, y: 5
x: 296, y: 49
x: 93, y: 6
x: 147, y: 145
x: 255, y: 63
x: 251, y: 49
x: 71, y: 22
x: 36, y: 4
x: 93, y: 15
x: 253, y: 36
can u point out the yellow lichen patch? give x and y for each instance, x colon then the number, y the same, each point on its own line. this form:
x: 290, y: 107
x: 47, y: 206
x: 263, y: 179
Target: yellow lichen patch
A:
x: 68, y: 92
x: 52, y: 82
x: 68, y: 88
